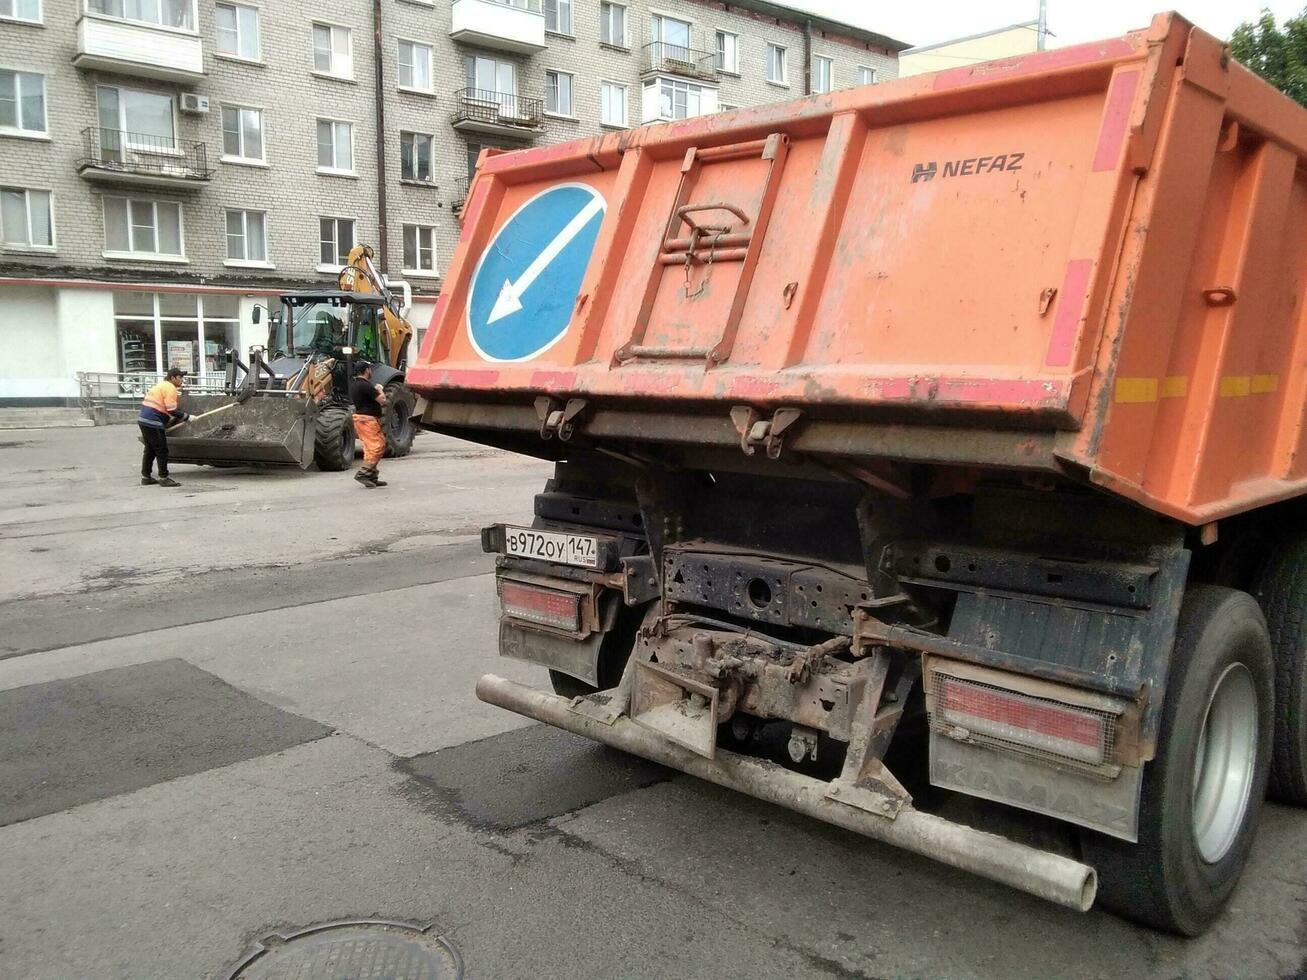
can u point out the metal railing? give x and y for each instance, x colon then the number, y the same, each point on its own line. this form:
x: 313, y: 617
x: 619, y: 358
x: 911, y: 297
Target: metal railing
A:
x: 499, y: 108
x: 680, y: 60
x: 461, y: 187
x: 142, y: 154
x: 532, y: 6
x: 105, y: 387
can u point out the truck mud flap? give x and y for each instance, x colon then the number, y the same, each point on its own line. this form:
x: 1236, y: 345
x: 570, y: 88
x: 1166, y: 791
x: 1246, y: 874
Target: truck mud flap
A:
x: 269, y: 430
x: 1049, y: 876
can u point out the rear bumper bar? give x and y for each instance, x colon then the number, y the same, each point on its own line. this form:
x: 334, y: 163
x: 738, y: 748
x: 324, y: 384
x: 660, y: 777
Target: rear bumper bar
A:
x: 1045, y: 875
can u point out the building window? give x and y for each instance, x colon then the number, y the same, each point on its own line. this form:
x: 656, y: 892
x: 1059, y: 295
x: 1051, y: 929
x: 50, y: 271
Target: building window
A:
x: 419, y: 249
x: 237, y: 27
x: 247, y: 237
x: 415, y: 66
x: 672, y: 35
x: 558, y: 16
x: 242, y: 134
x: 777, y: 70
x: 612, y: 104
x: 161, y: 330
x: 22, y: 103
x: 142, y: 228
x: 26, y: 220
x: 415, y: 156
x: 166, y: 13
x: 558, y: 93
x: 866, y: 76
x: 679, y: 100
x: 726, y: 107
x: 728, y: 52
x: 612, y: 24
x: 28, y: 10
x: 130, y: 119
x: 336, y: 238
x: 332, y: 51
x: 492, y: 80
x: 823, y: 74
x: 335, y: 146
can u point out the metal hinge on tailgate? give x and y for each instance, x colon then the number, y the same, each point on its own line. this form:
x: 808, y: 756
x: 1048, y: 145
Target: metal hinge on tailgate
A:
x: 556, y: 419
x: 756, y: 431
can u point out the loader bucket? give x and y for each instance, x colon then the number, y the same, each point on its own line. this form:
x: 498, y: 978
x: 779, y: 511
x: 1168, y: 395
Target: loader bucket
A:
x: 268, y: 429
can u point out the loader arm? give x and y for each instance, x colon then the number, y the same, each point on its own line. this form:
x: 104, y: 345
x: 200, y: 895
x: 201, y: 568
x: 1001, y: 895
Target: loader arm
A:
x: 360, y: 276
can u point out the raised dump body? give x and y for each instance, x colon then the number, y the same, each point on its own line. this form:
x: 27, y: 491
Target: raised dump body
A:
x: 853, y: 403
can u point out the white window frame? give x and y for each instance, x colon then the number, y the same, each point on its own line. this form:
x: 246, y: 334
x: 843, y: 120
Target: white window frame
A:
x: 246, y: 263
x: 559, y: 7
x: 829, y: 64
x: 155, y: 256
x: 866, y: 75
x: 158, y: 25
x: 333, y: 170
x: 719, y: 51
x: 605, y: 22
x: 335, y: 70
x: 18, y: 130
x: 335, y: 240
x: 783, y: 61
x: 16, y: 19
x: 557, y: 112
x: 257, y: 57
x: 418, y: 270
x: 122, y: 119
x: 242, y: 158
x: 431, y: 157
x: 431, y: 66
x: 677, y: 84
x: 30, y: 246
x: 626, y: 105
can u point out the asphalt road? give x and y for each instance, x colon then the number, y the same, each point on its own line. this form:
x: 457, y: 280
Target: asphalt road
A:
x: 245, y: 706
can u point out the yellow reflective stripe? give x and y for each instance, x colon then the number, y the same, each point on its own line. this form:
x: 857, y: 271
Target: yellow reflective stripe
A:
x: 1264, y: 384
x: 1236, y: 386
x: 1175, y: 387
x: 1136, y: 390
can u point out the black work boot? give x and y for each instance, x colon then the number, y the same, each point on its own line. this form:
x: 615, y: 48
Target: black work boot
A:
x: 364, y: 476
x: 148, y: 481
x: 167, y: 481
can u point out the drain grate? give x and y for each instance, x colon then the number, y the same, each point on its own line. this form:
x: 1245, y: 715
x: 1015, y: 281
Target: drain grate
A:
x: 352, y: 948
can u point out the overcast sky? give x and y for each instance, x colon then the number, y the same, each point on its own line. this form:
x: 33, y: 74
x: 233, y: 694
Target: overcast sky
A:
x: 1071, y: 21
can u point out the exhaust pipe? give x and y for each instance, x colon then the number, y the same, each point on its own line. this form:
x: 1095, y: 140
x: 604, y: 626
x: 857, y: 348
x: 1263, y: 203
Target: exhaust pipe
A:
x: 1043, y: 874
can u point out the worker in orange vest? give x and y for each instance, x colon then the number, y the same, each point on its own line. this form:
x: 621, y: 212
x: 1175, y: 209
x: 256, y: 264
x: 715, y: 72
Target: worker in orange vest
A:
x: 160, y: 408
x: 369, y: 399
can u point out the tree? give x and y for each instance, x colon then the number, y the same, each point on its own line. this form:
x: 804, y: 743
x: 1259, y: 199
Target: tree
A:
x: 1278, y: 54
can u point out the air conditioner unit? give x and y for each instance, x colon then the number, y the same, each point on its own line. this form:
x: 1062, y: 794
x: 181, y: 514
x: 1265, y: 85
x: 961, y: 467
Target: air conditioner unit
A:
x: 198, y: 104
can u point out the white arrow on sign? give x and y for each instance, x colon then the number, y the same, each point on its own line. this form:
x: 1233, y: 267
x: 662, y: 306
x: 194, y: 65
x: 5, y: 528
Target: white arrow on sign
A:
x: 510, y: 295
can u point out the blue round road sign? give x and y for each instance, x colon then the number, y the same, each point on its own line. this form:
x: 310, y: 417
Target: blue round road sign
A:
x: 526, y: 283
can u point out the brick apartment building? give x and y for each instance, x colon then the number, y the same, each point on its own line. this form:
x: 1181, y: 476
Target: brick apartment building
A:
x: 166, y: 165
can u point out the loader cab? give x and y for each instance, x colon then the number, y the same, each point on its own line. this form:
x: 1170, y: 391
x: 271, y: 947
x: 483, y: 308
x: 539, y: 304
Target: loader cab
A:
x: 326, y: 323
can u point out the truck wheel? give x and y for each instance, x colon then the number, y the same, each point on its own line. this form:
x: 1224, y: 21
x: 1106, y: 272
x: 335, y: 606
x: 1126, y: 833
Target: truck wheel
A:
x: 397, y: 419
x: 1203, y: 791
x: 1282, y: 591
x: 333, y: 440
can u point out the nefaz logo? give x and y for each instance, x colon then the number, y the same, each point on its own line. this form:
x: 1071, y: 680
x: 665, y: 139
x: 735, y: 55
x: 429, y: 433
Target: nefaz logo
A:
x: 971, y: 167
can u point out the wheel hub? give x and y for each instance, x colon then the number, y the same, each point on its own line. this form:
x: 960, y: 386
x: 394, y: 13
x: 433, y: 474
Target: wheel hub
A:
x: 1224, y: 763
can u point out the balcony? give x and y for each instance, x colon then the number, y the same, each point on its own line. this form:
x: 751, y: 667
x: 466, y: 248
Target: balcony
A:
x: 497, y: 114
x: 663, y: 58
x: 517, y: 26
x: 110, y: 156
x: 132, y: 48
x: 459, y: 200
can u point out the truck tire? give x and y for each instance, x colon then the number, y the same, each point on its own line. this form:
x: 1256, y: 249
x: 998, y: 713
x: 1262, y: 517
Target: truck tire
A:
x: 1203, y: 791
x: 614, y: 652
x: 1281, y: 589
x: 333, y: 440
x: 397, y: 419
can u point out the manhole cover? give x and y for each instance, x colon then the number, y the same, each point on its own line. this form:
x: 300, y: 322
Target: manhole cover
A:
x: 355, y: 949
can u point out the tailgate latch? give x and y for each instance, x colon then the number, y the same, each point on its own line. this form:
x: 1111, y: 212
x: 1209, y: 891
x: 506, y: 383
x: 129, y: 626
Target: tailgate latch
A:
x: 556, y: 420
x: 756, y: 431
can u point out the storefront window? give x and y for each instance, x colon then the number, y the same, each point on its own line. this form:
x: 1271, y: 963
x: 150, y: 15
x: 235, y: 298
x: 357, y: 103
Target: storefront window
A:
x: 157, y: 331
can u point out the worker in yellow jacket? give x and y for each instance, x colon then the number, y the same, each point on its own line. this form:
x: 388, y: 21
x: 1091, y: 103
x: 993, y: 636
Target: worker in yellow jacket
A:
x: 160, y: 408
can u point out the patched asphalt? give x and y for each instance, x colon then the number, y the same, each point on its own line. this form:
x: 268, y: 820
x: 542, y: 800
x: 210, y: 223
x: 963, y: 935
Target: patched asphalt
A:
x: 85, y: 738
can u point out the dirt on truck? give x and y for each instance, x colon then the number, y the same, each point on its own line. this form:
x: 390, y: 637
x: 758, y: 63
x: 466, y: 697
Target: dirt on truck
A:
x: 946, y: 434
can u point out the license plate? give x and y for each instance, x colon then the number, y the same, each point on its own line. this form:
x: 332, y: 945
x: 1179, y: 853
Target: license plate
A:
x: 567, y: 549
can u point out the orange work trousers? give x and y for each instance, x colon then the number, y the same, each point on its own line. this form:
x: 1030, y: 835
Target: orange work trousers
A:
x: 368, y: 429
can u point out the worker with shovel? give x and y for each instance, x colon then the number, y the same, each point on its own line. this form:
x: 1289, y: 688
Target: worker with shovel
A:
x: 369, y: 400
x: 159, y: 409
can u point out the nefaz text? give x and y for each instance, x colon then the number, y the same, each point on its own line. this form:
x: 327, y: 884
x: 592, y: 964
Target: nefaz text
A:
x: 972, y: 166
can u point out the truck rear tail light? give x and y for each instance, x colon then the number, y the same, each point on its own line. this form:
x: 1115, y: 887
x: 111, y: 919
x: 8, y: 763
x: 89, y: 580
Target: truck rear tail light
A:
x: 974, y: 711
x: 548, y: 607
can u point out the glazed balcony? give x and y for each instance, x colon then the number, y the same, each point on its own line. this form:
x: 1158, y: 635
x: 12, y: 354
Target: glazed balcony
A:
x: 517, y: 26
x: 128, y: 47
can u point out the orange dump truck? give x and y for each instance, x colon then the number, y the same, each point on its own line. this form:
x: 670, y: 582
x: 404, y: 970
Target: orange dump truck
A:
x: 929, y: 438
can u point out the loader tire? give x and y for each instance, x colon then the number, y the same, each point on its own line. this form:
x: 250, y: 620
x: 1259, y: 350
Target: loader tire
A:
x: 397, y: 419
x: 333, y: 440
x: 1281, y: 590
x: 1202, y: 792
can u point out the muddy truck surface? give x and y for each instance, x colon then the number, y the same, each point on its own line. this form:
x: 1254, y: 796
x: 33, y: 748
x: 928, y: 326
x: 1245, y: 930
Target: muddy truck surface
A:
x: 916, y: 442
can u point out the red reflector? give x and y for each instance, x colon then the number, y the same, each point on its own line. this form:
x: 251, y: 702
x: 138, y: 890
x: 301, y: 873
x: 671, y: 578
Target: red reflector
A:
x: 1034, y: 722
x: 545, y: 606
